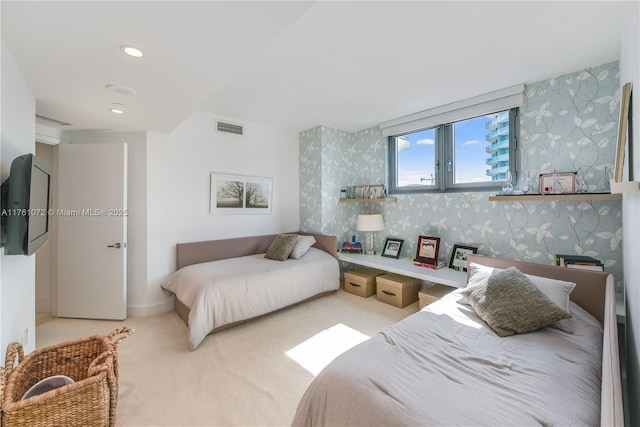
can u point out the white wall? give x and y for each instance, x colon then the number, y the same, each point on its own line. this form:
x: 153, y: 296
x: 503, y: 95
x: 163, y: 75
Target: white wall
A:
x: 137, y: 208
x: 178, y: 175
x: 45, y: 271
x: 17, y: 272
x: 630, y: 72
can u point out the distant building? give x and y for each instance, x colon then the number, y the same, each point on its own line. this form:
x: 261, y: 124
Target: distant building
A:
x: 498, y: 148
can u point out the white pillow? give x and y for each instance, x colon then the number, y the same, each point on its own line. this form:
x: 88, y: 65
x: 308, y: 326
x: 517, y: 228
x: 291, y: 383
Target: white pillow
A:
x: 303, y: 243
x: 558, y: 291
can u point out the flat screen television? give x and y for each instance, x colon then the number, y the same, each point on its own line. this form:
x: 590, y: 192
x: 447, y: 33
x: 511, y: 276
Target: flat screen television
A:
x: 25, y: 206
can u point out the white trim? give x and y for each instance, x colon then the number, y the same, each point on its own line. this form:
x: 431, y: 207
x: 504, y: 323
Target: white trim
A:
x: 499, y: 100
x: 49, y: 135
x: 150, y: 309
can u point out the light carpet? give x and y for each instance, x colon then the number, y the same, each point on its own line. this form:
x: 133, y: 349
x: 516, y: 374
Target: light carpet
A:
x: 249, y: 375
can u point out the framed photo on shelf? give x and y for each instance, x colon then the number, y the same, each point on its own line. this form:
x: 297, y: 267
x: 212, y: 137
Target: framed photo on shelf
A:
x: 428, y: 248
x: 459, y: 256
x: 564, y: 183
x: 392, y: 248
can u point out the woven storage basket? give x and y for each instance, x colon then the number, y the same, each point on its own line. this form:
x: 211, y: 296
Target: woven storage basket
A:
x: 92, y: 363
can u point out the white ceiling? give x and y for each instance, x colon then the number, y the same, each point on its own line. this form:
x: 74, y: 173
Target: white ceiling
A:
x: 345, y: 64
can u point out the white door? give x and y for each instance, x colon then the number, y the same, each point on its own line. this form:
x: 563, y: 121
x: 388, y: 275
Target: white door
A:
x: 92, y: 231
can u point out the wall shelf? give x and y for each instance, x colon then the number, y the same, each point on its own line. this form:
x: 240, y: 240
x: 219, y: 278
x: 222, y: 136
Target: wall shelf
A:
x: 559, y: 197
x: 624, y: 187
x: 386, y: 199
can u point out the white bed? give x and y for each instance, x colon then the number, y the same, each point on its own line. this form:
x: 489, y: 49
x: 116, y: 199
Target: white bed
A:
x: 445, y: 366
x: 227, y: 291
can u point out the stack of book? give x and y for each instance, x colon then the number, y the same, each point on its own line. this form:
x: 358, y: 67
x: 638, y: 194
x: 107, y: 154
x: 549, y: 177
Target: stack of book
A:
x: 441, y: 263
x: 579, y: 261
x: 351, y: 248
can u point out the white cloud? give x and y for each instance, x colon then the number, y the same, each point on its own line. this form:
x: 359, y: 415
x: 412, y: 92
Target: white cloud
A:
x: 473, y: 141
x: 425, y: 141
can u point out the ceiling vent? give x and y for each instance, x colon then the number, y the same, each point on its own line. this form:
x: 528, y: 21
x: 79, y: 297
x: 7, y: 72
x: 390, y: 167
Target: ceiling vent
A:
x: 229, y: 128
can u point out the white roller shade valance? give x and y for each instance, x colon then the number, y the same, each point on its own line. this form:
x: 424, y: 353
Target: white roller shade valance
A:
x: 492, y: 102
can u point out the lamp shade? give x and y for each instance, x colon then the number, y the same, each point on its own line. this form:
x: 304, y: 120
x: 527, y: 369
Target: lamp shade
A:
x: 370, y: 222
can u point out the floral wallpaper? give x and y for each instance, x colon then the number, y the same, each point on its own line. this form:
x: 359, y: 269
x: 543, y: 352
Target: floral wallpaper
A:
x: 566, y: 123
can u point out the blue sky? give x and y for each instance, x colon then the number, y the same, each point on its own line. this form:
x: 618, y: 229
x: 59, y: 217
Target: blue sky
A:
x: 470, y: 141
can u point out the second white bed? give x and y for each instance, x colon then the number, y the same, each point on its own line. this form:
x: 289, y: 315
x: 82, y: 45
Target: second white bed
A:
x: 226, y: 291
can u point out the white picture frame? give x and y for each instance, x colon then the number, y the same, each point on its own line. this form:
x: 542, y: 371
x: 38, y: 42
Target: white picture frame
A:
x: 240, y: 194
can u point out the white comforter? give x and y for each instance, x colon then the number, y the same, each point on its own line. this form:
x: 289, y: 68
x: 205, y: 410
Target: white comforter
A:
x: 443, y: 366
x: 235, y: 289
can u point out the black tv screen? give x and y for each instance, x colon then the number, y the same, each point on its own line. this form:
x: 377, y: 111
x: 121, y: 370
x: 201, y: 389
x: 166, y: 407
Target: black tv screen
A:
x: 25, y: 207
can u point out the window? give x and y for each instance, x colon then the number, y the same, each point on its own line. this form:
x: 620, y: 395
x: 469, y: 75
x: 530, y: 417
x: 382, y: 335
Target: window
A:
x: 465, y: 155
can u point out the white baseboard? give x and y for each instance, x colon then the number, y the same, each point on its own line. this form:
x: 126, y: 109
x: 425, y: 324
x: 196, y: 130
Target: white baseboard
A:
x: 150, y: 310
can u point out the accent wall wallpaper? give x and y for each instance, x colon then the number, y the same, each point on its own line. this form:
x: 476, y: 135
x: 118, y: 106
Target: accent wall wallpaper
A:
x: 566, y: 123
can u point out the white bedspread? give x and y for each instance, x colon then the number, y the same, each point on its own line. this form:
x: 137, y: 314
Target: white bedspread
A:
x: 235, y: 289
x: 443, y: 366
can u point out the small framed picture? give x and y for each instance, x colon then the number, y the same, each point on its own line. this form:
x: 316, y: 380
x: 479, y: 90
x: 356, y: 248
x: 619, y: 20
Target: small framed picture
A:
x: 428, y: 248
x: 459, y: 256
x: 563, y: 183
x: 392, y: 248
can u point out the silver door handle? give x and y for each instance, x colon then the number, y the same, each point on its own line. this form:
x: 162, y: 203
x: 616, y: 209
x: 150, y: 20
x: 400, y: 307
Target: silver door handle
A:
x: 117, y: 246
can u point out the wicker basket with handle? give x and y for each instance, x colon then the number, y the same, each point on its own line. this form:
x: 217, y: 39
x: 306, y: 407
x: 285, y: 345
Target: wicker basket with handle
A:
x: 92, y: 363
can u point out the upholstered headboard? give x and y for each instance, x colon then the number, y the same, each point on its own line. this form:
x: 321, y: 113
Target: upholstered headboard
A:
x: 212, y: 250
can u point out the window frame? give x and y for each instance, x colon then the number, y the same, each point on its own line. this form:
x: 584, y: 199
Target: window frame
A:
x: 445, y: 152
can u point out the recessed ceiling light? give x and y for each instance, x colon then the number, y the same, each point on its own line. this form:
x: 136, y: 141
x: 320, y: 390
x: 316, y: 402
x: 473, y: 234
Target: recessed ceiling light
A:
x: 123, y: 90
x: 117, y: 108
x: 132, y: 51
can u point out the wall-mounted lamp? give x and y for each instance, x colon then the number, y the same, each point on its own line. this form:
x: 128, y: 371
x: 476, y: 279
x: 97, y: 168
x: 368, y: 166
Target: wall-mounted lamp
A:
x: 370, y: 222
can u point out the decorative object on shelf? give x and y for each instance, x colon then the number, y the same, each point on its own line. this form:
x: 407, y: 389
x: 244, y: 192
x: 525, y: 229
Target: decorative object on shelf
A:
x: 362, y: 192
x: 376, y: 192
x: 558, y: 183
x: 623, y: 125
x: 527, y: 184
x: 352, y: 247
x: 237, y: 194
x: 428, y: 249
x: 351, y: 192
x: 605, y: 183
x: 441, y: 264
x: 392, y: 248
x: 459, y: 256
x: 581, y: 183
x: 370, y: 222
x: 507, y: 184
x: 578, y: 261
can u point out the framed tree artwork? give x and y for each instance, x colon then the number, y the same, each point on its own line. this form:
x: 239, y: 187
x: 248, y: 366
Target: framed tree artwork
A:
x: 237, y: 194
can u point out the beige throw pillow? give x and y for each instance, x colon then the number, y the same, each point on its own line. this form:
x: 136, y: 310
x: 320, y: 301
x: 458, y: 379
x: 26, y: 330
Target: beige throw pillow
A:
x: 558, y: 291
x: 281, y: 247
x: 303, y: 243
x: 511, y: 304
